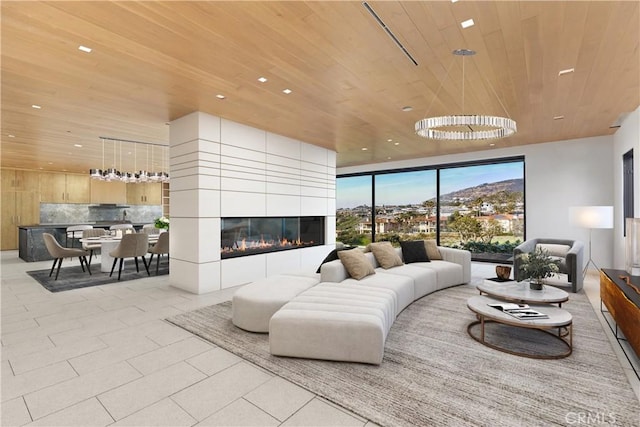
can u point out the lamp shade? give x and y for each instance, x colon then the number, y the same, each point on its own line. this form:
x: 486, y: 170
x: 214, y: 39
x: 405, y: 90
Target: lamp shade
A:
x: 591, y: 216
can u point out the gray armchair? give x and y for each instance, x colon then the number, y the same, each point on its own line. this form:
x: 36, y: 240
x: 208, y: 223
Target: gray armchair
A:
x: 571, y: 262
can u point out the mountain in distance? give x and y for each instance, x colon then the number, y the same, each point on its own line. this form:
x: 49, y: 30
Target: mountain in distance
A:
x: 482, y: 190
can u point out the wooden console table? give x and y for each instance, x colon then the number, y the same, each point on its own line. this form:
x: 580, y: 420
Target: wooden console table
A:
x: 623, y: 303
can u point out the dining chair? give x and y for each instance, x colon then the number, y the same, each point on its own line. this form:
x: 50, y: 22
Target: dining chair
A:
x: 160, y: 248
x: 58, y: 253
x: 132, y: 245
x: 92, y: 246
x: 150, y: 229
x: 75, y: 232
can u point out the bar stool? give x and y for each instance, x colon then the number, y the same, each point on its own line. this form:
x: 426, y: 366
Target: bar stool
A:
x: 120, y: 226
x: 75, y: 232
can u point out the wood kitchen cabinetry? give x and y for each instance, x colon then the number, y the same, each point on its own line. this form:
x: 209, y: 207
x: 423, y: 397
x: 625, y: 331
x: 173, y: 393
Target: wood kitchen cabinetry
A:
x: 64, y: 188
x: 20, y: 204
x: 149, y: 193
x: 165, y: 199
x: 20, y: 180
x: 108, y: 192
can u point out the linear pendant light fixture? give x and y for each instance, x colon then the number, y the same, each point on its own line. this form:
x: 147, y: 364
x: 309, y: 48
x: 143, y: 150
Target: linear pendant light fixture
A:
x: 465, y: 127
x: 113, y: 174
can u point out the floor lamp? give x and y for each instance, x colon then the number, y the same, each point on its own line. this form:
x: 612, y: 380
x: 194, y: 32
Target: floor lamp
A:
x: 591, y: 217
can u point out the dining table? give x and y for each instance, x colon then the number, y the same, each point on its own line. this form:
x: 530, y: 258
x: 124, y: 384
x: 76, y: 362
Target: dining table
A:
x: 107, y: 244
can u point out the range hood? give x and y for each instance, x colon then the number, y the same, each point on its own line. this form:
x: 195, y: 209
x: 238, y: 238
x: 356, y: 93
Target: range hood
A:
x: 108, y: 206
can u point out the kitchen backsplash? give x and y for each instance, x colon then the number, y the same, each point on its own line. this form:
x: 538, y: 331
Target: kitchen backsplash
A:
x: 66, y: 213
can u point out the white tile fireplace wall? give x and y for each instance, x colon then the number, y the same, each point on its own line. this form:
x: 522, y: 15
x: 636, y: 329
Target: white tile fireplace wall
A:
x: 220, y: 168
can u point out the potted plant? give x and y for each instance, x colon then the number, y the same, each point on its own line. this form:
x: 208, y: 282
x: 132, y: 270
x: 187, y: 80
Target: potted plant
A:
x: 162, y: 223
x: 537, y: 266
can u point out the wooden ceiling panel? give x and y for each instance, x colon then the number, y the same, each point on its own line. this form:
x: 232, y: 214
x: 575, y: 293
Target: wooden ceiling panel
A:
x: 153, y: 62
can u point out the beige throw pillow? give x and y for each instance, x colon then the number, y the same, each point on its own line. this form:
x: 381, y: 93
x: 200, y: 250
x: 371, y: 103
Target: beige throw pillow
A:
x: 356, y: 263
x: 385, y: 254
x: 432, y: 249
x: 554, y: 249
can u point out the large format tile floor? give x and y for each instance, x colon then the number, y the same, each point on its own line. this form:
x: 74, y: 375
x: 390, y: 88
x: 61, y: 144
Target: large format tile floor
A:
x: 105, y: 356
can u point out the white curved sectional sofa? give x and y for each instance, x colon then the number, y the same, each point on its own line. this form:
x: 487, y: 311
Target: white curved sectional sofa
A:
x: 339, y: 317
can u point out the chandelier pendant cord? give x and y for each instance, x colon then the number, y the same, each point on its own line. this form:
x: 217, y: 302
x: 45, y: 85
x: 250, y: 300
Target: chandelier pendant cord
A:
x: 463, y: 85
x: 439, y: 87
x: 496, y: 95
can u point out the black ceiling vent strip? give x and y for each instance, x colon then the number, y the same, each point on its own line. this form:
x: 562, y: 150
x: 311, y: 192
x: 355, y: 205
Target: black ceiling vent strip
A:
x: 388, y: 31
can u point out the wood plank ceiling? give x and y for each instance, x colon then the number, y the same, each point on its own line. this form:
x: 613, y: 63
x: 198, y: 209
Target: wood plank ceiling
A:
x: 153, y: 62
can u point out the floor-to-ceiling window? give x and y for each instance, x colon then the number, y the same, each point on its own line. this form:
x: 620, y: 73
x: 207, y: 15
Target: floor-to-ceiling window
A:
x: 405, y: 205
x: 353, y: 210
x: 482, y: 208
x: 477, y: 206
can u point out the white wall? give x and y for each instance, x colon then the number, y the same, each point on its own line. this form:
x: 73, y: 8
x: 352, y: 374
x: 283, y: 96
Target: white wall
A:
x: 558, y: 175
x: 625, y: 139
x: 219, y: 169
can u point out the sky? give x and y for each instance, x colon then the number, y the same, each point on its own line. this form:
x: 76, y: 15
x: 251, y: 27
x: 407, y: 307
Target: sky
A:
x: 415, y: 187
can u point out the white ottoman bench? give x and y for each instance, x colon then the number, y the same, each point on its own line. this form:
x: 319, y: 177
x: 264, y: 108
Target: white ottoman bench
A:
x: 334, y: 321
x: 254, y: 304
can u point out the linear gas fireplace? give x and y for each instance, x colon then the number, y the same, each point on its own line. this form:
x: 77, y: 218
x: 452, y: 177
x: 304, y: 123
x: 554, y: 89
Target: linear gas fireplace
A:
x: 250, y: 236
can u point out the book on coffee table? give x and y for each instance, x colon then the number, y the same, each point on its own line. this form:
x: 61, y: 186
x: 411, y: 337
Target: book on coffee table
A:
x: 519, y: 311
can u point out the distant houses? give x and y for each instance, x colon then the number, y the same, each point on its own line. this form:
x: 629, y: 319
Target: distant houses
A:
x: 414, y: 219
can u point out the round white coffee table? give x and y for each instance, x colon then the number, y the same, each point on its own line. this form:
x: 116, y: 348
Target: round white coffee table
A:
x: 520, y: 292
x: 558, y: 319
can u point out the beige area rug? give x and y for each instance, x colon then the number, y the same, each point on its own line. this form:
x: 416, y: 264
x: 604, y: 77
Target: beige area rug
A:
x: 435, y: 374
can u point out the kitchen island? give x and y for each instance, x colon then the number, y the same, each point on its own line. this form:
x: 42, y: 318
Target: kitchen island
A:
x: 31, y: 246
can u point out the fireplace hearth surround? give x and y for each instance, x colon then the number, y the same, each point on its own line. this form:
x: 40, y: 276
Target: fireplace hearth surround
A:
x: 258, y: 235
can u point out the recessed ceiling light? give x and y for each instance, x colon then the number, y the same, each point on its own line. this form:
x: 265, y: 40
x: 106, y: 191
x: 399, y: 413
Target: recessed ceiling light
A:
x: 364, y: 148
x: 262, y: 79
x: 11, y: 136
x: 558, y: 117
x: 219, y: 96
x: 84, y: 49
x: 454, y: 1
x: 492, y: 145
x: 388, y: 158
x: 389, y: 140
x: 396, y: 143
x: 407, y: 108
x: 50, y: 163
x: 468, y: 23
x: 567, y: 71
x: 80, y: 146
x: 37, y: 107
x: 287, y: 91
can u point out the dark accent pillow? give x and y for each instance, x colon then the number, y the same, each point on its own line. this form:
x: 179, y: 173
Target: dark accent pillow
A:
x: 333, y: 255
x: 414, y: 251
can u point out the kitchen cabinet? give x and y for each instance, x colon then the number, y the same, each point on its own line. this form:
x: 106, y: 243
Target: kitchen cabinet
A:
x: 20, y: 204
x: 108, y: 192
x: 149, y: 193
x: 64, y: 188
x: 20, y: 180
